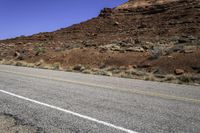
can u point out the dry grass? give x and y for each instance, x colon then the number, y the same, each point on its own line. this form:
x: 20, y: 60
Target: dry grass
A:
x: 124, y: 72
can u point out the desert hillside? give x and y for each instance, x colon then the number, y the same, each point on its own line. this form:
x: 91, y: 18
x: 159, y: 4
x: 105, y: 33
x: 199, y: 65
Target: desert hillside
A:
x: 145, y: 39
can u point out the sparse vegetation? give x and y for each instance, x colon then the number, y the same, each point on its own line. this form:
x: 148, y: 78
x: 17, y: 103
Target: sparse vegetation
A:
x: 185, y: 79
x: 39, y: 51
x: 155, y: 53
x: 111, y: 71
x: 117, y: 39
x: 56, y: 66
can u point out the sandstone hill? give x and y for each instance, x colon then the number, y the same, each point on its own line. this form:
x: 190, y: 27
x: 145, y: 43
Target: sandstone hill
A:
x: 153, y: 36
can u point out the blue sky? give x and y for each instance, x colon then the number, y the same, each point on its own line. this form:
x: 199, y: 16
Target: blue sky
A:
x: 26, y: 17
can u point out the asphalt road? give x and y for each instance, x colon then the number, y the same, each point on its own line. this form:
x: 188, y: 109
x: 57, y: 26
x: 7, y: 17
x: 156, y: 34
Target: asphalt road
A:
x: 71, y: 102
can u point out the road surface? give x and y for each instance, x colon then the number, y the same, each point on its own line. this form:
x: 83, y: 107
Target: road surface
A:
x: 71, y: 102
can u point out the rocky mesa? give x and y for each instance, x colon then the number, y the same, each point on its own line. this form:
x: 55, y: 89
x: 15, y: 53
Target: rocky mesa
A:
x: 145, y: 39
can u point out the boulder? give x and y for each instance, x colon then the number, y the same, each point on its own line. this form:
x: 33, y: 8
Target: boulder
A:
x: 113, y: 47
x: 189, y: 49
x: 39, y: 63
x: 105, y: 73
x: 106, y: 12
x: 116, y: 23
x: 179, y: 71
x: 19, y: 56
x: 135, y: 49
x: 58, y: 49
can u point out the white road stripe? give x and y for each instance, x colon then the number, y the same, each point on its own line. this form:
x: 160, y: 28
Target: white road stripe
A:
x: 70, y: 112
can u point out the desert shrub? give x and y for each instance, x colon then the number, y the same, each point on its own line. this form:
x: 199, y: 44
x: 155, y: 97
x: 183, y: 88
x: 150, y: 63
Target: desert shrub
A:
x: 18, y: 64
x: 150, y: 77
x: 56, y: 66
x: 40, y: 44
x: 185, y: 79
x: 155, y: 53
x: 79, y: 67
x: 137, y: 73
x: 39, y: 50
x: 87, y: 71
x: 170, y: 77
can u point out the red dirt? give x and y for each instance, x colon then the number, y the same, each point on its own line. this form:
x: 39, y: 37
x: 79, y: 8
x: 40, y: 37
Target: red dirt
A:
x: 137, y: 22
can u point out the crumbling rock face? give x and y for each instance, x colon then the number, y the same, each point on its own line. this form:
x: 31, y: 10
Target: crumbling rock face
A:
x: 146, y: 20
x: 150, y: 23
x: 105, y: 12
x: 143, y: 3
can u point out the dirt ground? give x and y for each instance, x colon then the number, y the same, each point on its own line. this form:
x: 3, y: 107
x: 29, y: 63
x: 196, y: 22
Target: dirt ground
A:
x: 152, y: 36
x: 10, y: 124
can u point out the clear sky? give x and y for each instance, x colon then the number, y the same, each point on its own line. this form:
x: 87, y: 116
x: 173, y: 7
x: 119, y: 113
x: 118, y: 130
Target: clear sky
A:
x: 26, y: 17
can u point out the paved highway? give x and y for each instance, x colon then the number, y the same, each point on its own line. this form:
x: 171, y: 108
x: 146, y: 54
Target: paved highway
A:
x: 71, y: 102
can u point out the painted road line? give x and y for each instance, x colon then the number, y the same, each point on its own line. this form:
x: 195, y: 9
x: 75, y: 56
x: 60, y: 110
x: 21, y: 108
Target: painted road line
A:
x: 70, y: 112
x: 136, y: 91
